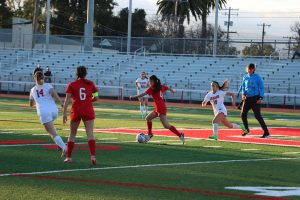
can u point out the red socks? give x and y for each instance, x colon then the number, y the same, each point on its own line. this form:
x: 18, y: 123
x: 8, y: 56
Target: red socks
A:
x: 92, y: 145
x: 70, y: 147
x: 174, y: 130
x: 149, y: 124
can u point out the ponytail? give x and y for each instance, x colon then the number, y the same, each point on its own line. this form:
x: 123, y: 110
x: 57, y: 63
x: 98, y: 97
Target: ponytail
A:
x: 157, y: 83
x: 224, y: 86
x: 81, y: 72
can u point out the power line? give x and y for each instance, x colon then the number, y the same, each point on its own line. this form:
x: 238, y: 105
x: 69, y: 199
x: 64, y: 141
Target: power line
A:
x: 264, y: 25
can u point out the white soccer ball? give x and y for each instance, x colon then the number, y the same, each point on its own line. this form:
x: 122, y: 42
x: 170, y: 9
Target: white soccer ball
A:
x: 141, y: 138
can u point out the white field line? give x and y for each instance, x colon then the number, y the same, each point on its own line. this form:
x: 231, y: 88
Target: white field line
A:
x: 100, y: 141
x: 148, y: 165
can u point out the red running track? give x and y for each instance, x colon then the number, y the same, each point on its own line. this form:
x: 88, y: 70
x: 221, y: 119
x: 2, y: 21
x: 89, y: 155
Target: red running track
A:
x: 228, y: 135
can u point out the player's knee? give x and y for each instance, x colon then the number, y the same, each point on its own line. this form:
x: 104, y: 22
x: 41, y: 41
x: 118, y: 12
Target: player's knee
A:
x: 166, y: 126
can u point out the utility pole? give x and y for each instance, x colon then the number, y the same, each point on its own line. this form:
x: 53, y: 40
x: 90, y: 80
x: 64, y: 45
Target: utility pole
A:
x: 48, y: 25
x: 89, y: 26
x: 289, y: 44
x: 129, y: 27
x: 215, y: 44
x: 229, y: 23
x: 34, y: 23
x: 263, y: 36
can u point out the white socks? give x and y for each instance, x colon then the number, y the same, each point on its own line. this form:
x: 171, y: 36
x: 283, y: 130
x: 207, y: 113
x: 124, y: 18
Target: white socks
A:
x: 235, y: 126
x: 216, y: 128
x: 57, y: 139
x: 142, y: 110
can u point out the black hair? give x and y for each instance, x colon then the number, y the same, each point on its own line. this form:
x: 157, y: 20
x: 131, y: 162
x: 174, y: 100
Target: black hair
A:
x: 157, y: 83
x: 224, y: 86
x: 145, y: 74
x: 251, y: 66
x: 81, y: 72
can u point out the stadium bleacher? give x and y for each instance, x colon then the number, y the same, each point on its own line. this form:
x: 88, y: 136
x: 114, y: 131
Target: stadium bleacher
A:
x: 182, y: 72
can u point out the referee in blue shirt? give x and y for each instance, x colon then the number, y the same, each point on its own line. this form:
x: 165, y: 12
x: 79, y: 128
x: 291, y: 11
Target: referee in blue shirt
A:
x: 253, y: 93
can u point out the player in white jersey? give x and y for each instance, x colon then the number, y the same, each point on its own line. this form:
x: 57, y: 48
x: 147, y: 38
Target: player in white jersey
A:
x: 42, y: 95
x: 216, y: 98
x: 142, y: 85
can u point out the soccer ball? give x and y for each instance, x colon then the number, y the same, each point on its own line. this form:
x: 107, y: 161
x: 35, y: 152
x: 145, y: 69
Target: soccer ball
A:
x: 141, y: 138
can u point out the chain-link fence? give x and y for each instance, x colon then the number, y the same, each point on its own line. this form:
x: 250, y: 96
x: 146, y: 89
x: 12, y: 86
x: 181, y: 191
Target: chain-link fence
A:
x: 190, y: 46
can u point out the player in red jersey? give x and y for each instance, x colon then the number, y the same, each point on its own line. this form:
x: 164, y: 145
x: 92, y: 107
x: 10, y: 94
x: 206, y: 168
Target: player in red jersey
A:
x: 157, y: 90
x: 83, y: 92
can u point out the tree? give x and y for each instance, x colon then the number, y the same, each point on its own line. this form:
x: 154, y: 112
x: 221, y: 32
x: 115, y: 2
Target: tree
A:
x: 185, y: 9
x: 5, y: 15
x: 139, y: 23
x: 295, y: 28
x: 158, y: 28
x: 206, y: 7
x: 255, y: 50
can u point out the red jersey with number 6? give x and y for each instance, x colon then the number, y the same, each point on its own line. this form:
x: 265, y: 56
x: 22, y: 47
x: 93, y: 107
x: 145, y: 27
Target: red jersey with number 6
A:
x: 82, y: 93
x: 158, y: 98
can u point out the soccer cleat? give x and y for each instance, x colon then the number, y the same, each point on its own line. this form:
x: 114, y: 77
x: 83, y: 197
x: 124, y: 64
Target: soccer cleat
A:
x: 244, y: 129
x: 265, y: 135
x: 149, y: 136
x: 64, y: 153
x: 182, y: 138
x: 213, y: 137
x: 93, y: 160
x: 246, y: 132
x: 68, y: 160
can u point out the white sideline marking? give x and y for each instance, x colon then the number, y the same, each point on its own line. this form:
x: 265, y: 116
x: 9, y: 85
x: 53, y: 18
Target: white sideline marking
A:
x: 148, y: 165
x: 41, y: 134
x: 290, y: 153
x: 250, y: 149
x: 212, y: 146
x: 100, y: 141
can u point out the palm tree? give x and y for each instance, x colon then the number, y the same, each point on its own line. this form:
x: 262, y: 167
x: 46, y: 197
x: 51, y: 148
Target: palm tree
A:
x: 183, y: 8
x: 206, y: 7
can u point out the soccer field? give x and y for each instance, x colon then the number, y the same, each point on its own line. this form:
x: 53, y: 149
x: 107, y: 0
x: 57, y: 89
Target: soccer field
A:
x: 31, y: 167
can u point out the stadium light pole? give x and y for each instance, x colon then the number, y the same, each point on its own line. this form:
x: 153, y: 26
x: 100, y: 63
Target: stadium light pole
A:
x: 48, y: 26
x: 89, y: 26
x: 129, y: 27
x: 216, y: 29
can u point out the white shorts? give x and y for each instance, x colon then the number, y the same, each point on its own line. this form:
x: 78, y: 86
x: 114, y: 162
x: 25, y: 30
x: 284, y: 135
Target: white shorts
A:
x: 220, y: 110
x: 141, y: 91
x: 49, y: 116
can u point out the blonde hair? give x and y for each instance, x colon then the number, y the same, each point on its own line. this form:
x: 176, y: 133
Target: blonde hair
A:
x: 39, y: 77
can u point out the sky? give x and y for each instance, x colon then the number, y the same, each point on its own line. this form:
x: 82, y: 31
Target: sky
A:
x: 280, y: 14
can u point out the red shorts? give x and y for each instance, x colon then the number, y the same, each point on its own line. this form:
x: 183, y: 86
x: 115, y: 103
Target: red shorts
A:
x: 161, y: 112
x: 75, y: 117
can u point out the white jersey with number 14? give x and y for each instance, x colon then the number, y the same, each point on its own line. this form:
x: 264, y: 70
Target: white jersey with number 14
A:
x: 217, y: 101
x: 43, y: 98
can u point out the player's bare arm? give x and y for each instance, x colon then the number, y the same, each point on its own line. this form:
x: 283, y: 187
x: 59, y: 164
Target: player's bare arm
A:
x: 55, y: 96
x: 95, y: 97
x: 138, y: 96
x: 31, y: 103
x: 65, y: 108
x: 231, y: 94
x: 172, y: 90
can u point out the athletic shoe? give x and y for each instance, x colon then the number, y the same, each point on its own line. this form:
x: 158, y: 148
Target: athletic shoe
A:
x: 246, y: 131
x: 244, y: 128
x: 68, y: 160
x: 213, y: 137
x: 64, y: 153
x: 149, y: 136
x: 265, y: 135
x: 93, y: 160
x: 182, y: 138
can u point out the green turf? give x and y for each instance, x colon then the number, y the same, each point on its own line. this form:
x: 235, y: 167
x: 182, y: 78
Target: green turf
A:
x: 20, y: 123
